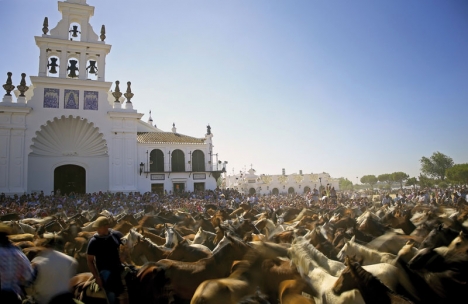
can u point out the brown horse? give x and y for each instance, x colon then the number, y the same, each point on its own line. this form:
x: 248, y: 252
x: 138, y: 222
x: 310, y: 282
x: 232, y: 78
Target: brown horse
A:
x: 371, y: 288
x: 188, y: 253
x: 146, y: 251
x: 123, y: 227
x: 290, y: 292
x: 153, y: 237
x: 242, y: 282
x: 181, y: 279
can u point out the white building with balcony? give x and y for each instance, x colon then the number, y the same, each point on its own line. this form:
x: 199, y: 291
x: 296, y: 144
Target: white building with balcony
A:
x: 251, y: 183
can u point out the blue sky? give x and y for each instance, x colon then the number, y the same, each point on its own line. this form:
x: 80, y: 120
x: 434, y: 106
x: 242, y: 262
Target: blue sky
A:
x: 346, y: 87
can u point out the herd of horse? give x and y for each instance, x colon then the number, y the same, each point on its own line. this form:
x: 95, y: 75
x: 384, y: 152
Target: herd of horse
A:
x: 386, y: 254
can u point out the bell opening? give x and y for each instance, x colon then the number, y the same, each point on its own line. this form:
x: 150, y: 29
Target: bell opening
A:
x: 92, y: 69
x: 74, y: 32
x: 53, y: 66
x: 73, y: 68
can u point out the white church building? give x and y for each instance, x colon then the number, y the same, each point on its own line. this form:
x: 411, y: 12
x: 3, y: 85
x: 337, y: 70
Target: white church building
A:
x: 68, y: 131
x: 249, y: 182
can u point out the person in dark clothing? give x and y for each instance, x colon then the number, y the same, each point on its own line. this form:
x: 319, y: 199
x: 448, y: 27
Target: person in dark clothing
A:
x: 103, y: 258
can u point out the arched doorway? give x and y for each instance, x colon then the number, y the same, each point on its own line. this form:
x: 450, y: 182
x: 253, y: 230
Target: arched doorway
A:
x: 291, y: 190
x: 275, y: 191
x: 251, y: 191
x: 70, y: 178
x: 306, y: 189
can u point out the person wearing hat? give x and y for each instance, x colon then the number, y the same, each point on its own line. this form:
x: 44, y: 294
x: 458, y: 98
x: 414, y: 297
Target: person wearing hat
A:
x: 15, y: 269
x: 52, y: 286
x: 104, y: 260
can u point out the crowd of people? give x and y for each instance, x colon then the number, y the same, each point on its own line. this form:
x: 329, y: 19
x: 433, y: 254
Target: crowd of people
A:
x: 16, y: 270
x: 38, y: 205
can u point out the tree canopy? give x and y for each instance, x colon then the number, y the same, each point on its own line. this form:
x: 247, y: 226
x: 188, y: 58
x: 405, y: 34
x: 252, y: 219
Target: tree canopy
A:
x: 436, y: 165
x: 458, y: 173
x: 399, y: 177
x: 385, y: 178
x: 346, y: 184
x: 412, y: 181
x: 369, y: 179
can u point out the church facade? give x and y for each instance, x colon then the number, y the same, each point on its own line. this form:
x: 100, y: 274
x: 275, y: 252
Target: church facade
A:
x: 69, y: 131
x: 249, y: 182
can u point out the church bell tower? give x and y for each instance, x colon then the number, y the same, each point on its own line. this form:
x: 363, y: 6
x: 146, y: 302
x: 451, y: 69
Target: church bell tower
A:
x: 72, y: 50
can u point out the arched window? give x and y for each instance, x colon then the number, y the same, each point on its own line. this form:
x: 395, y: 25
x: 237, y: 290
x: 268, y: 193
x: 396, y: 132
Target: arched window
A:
x: 198, y: 161
x: 156, y: 161
x: 275, y: 191
x: 291, y: 190
x: 306, y: 189
x: 177, y: 161
x: 252, y: 191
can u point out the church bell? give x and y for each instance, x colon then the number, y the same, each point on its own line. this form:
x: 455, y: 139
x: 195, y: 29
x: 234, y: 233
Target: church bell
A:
x: 74, y: 31
x: 52, y: 65
x: 72, y: 68
x: 92, y: 67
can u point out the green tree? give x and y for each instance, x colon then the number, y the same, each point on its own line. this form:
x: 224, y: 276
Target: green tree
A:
x: 412, y: 181
x: 385, y: 178
x: 436, y: 165
x: 458, y: 173
x: 442, y: 185
x: 369, y: 179
x: 425, y: 182
x: 399, y: 177
x: 345, y: 184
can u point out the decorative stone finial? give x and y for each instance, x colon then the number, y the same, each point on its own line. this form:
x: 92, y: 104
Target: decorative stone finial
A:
x: 8, y: 86
x: 150, y: 119
x: 103, y: 32
x: 208, y: 129
x: 129, y: 93
x: 174, y: 128
x: 45, y: 25
x: 117, y: 93
x: 22, y: 87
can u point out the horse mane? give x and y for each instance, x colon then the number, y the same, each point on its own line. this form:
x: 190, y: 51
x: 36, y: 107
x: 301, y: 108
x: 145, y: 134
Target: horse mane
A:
x: 371, y: 286
x: 369, y: 251
x: 301, y: 258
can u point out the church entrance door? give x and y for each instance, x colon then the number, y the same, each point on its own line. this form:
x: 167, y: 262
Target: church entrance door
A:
x: 70, y: 178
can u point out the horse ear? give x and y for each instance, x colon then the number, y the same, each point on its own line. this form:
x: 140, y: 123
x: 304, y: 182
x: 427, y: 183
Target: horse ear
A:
x: 353, y: 239
x: 200, y: 229
x: 440, y: 227
x: 461, y: 235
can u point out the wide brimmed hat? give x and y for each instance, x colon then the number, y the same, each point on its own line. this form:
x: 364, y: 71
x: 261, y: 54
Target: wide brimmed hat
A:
x: 101, y: 222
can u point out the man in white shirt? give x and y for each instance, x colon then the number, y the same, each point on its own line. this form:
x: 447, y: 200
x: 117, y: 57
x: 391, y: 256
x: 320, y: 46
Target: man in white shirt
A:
x: 53, y: 271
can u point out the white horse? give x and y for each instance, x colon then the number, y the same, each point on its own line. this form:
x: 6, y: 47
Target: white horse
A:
x: 369, y: 256
x: 202, y: 235
x: 323, y: 282
x: 316, y: 258
x: 374, y: 257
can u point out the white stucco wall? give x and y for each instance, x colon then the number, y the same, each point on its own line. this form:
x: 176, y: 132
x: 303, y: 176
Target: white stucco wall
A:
x: 41, y: 172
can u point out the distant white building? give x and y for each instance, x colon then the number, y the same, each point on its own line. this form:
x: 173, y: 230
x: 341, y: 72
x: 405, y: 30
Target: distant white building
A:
x: 250, y: 183
x: 69, y: 131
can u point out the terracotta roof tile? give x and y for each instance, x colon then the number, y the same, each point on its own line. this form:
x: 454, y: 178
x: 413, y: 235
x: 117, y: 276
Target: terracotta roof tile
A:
x: 167, y: 137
